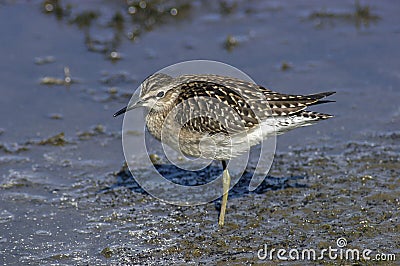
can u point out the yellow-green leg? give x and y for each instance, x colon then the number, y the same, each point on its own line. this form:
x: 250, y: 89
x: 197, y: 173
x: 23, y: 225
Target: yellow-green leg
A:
x: 226, y: 182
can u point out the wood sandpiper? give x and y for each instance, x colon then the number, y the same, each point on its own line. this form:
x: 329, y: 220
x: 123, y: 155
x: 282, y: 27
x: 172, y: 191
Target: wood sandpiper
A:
x: 228, y: 111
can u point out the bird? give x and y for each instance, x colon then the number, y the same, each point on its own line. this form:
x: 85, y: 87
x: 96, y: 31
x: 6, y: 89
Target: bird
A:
x: 219, y: 117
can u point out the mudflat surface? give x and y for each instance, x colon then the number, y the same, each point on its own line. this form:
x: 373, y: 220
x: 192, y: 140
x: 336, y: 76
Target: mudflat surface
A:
x: 66, y: 197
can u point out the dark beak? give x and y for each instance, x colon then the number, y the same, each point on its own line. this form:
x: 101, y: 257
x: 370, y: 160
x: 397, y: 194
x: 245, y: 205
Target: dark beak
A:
x: 134, y: 103
x: 120, y: 112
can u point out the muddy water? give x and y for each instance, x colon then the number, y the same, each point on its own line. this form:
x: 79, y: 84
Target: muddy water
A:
x: 65, y: 196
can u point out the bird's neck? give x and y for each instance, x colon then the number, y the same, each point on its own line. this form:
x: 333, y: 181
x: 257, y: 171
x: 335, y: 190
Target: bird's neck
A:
x: 156, y: 120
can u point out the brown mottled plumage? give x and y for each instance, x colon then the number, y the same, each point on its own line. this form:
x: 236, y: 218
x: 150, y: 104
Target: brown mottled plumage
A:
x: 218, y: 117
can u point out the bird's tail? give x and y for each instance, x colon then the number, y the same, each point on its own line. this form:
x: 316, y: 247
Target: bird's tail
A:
x: 315, y: 99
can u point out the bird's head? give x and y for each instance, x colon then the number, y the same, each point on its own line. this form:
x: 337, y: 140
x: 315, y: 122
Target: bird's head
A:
x: 156, y: 93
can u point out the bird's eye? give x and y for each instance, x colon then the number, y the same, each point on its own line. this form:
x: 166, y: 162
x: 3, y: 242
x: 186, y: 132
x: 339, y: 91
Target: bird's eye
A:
x: 160, y: 94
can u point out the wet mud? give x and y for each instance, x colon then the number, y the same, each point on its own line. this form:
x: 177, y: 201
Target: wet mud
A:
x: 67, y: 197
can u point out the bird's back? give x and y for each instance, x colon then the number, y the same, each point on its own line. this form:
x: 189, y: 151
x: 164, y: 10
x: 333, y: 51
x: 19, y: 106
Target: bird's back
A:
x: 221, y: 108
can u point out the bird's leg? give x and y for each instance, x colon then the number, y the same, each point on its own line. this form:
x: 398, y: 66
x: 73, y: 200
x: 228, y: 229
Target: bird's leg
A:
x: 226, y: 181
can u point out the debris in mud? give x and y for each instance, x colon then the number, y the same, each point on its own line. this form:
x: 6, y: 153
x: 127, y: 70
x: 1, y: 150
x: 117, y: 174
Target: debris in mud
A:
x: 361, y: 15
x: 286, y: 66
x: 57, y: 140
x: 67, y: 80
x: 84, y: 19
x: 117, y: 21
x: 155, y: 159
x: 112, y: 90
x: 55, y: 116
x: 54, y: 7
x: 115, y: 56
x: 94, y: 131
x: 107, y: 252
x: 136, y: 17
x: 52, y: 81
x: 230, y: 43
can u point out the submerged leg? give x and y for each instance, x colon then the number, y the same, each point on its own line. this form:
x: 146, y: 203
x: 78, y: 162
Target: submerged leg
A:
x: 226, y: 181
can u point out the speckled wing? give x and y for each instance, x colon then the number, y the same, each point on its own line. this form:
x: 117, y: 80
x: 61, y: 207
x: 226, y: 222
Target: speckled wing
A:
x: 230, y: 105
x: 260, y: 98
x: 213, y: 108
x: 287, y: 104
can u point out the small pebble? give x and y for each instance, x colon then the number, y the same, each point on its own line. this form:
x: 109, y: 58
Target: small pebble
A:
x: 55, y: 116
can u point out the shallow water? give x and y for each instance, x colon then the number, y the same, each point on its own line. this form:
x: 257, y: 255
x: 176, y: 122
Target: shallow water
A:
x: 64, y: 197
